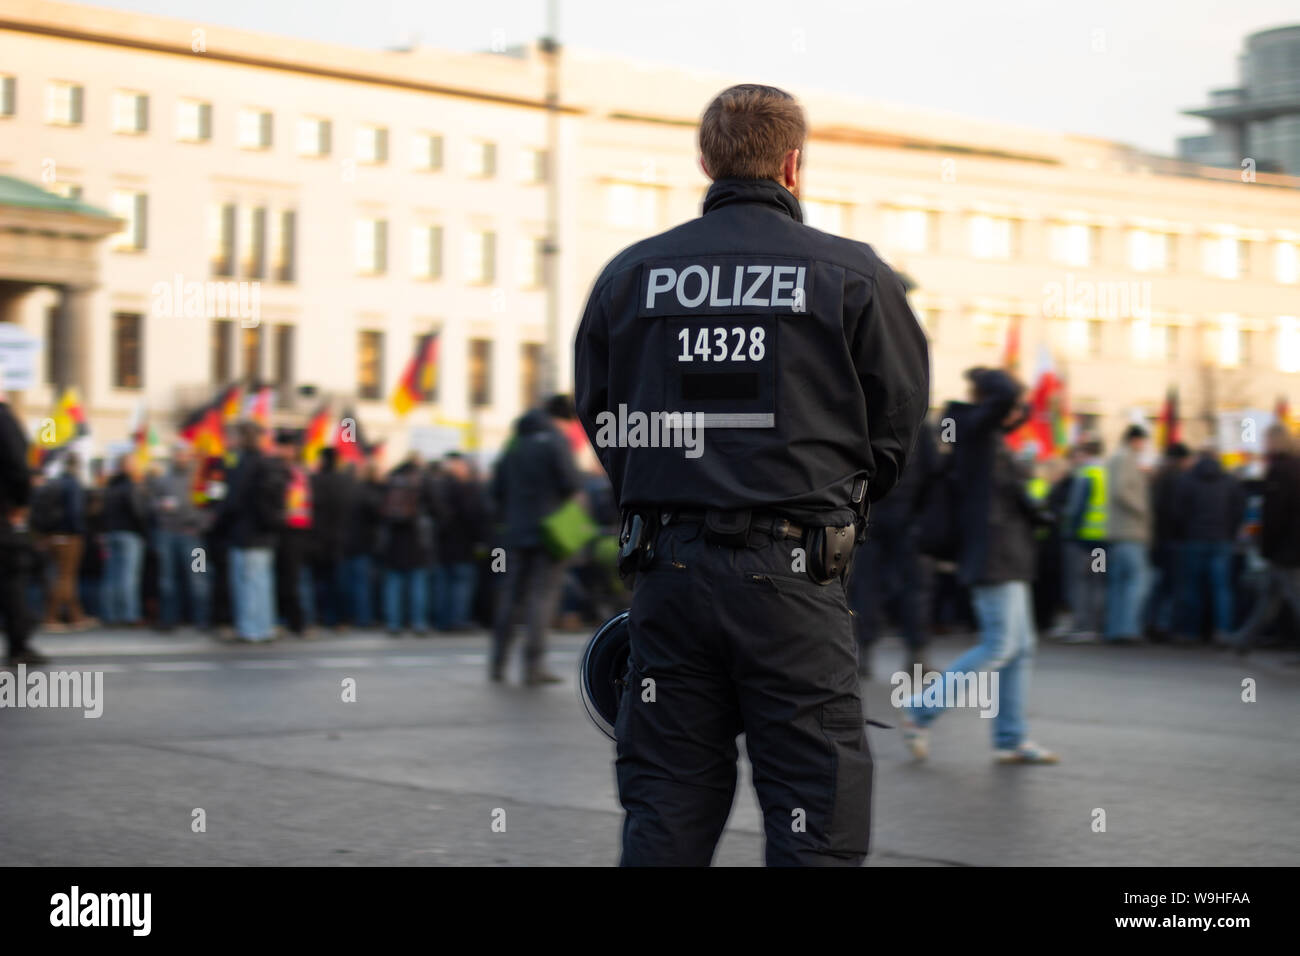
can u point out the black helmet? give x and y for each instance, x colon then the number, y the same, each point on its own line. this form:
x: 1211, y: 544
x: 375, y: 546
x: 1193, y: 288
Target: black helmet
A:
x: 601, y: 671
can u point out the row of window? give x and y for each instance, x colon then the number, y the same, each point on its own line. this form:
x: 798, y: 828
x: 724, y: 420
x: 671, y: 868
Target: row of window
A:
x: 237, y: 352
x: 259, y: 243
x: 129, y: 113
x: 636, y: 206
x: 1224, y: 339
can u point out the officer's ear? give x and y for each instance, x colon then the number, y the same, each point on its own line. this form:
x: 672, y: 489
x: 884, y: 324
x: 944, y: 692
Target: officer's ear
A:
x: 704, y: 168
x: 790, y: 171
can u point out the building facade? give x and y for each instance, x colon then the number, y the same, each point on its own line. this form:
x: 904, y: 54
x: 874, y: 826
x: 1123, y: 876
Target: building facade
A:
x: 301, y: 213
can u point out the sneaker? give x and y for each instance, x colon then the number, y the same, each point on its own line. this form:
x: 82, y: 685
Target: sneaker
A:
x: 28, y: 656
x: 1027, y: 752
x: 915, y: 737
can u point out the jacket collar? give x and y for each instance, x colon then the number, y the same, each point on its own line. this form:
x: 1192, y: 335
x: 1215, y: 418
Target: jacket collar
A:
x: 725, y: 192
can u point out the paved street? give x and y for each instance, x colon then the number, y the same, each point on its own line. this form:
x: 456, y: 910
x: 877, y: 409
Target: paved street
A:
x: 413, y: 770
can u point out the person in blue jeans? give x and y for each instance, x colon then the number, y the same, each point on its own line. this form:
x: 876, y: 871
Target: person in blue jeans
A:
x: 125, y: 523
x: 362, y: 523
x: 183, y: 576
x: 249, y: 517
x: 407, y: 514
x: 995, y: 520
x: 1128, y: 533
x: 1208, y: 504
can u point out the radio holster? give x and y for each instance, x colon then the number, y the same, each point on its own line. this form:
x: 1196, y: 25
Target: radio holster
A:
x: 636, y: 540
x: 830, y: 550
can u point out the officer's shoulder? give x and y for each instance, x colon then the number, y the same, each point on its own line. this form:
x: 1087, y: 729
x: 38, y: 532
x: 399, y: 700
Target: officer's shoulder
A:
x: 651, y: 247
x: 851, y: 254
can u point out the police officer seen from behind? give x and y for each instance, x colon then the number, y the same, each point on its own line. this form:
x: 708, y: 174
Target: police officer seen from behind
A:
x: 811, y: 375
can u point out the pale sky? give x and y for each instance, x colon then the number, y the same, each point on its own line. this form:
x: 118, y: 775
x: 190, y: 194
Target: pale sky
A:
x: 1020, y: 61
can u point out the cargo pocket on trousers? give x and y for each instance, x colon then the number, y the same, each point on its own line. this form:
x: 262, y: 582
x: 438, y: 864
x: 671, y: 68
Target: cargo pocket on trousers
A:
x: 848, y: 830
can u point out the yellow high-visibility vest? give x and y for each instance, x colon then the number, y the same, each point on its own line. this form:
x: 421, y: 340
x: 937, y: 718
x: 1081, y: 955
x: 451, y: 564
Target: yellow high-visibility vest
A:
x: 1092, y: 526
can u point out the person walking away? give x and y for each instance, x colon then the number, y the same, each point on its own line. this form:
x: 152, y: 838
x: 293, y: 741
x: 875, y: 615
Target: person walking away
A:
x: 1279, y: 539
x: 1128, y: 533
x: 535, y: 475
x: 125, y: 524
x: 250, y: 517
x: 59, y: 514
x: 1209, y: 504
x: 183, y: 571
x: 996, y: 559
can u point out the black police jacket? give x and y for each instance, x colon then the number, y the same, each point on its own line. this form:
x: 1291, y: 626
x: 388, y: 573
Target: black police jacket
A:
x: 796, y: 347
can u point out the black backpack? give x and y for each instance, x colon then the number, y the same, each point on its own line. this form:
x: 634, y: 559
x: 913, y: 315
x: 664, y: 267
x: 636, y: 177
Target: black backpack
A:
x: 939, y: 534
x: 270, y: 494
x: 49, y: 508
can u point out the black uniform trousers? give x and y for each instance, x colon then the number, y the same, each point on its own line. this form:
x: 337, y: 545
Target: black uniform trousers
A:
x: 730, y: 640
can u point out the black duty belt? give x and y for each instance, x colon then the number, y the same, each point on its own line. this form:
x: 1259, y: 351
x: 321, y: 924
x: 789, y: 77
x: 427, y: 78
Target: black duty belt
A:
x: 760, y: 523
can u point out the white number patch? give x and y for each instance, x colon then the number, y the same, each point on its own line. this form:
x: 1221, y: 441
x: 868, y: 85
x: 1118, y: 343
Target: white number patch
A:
x: 720, y: 344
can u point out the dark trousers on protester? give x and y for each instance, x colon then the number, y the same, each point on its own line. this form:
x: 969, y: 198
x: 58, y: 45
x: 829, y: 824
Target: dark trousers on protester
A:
x: 290, y: 559
x: 531, y: 582
x: 16, y: 559
x: 888, y: 574
x: 727, y: 641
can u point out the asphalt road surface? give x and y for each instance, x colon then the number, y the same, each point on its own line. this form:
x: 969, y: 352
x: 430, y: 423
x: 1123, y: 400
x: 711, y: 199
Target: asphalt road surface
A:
x: 416, y: 770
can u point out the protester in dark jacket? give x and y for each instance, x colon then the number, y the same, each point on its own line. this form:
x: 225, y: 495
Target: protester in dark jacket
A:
x: 997, y: 521
x: 177, y: 521
x: 16, y: 551
x: 534, y: 476
x: 249, y: 519
x: 460, y: 533
x: 1166, y: 554
x: 407, y: 546
x: 361, y: 523
x: 1208, y: 505
x: 330, y: 490
x: 125, y: 524
x: 1279, y: 538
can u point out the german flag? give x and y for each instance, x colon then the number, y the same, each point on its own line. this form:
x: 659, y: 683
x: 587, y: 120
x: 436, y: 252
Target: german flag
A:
x: 232, y: 402
x: 320, y: 432
x: 419, y: 376
x: 204, y: 428
x: 1282, y: 412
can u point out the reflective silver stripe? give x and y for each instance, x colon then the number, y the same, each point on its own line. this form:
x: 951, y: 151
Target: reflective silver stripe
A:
x: 736, y: 419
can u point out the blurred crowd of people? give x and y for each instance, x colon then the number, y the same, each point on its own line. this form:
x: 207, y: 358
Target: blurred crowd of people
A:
x: 1141, y: 544
x: 256, y: 544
